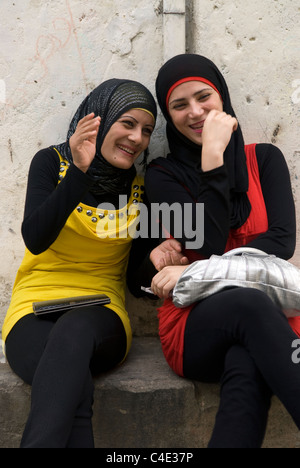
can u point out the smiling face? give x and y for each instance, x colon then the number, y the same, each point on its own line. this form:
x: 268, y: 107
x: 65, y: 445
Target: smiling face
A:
x: 189, y: 106
x: 127, y: 138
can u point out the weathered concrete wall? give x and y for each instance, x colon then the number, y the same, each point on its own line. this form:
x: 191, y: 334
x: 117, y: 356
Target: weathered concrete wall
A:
x: 54, y: 52
x: 257, y: 46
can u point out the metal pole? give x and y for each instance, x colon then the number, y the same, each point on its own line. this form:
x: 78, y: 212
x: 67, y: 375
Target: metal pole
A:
x: 174, y: 12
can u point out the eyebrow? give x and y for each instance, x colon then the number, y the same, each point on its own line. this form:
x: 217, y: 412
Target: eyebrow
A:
x: 194, y: 95
x: 130, y: 116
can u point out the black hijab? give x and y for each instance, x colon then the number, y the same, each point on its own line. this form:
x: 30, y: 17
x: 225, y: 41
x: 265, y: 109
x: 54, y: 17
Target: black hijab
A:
x: 184, y: 161
x: 110, y: 100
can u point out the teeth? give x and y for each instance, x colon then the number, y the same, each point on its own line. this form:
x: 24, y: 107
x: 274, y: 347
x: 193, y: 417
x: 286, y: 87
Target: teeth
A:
x: 126, y: 149
x: 197, y: 127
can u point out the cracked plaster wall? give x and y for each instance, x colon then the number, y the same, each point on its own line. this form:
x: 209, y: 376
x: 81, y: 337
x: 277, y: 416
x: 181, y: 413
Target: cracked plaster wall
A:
x: 257, y: 46
x: 54, y: 52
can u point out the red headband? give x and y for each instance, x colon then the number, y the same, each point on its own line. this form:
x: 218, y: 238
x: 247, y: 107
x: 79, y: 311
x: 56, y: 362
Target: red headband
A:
x: 185, y: 80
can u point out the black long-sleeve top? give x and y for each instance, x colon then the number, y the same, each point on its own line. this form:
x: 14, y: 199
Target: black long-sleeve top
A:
x: 280, y: 238
x: 49, y: 204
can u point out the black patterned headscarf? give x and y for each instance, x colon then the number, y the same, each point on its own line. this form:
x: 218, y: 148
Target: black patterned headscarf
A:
x: 185, y: 157
x: 109, y: 100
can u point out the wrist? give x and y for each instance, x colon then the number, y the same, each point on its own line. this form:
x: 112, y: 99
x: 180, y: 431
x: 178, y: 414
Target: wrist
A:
x: 211, y: 159
x: 81, y: 167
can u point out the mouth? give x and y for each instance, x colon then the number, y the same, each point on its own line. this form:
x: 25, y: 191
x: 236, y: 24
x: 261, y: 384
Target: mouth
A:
x: 126, y: 149
x: 198, y: 127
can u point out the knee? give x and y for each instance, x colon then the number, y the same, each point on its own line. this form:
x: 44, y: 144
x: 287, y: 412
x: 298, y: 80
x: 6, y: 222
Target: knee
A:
x: 255, y: 313
x: 254, y: 302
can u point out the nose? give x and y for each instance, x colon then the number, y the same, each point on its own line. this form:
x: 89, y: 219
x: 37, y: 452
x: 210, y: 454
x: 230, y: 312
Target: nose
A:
x: 195, y: 109
x: 135, y: 136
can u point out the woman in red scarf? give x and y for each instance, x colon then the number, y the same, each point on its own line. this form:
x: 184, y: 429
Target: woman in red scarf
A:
x: 238, y: 337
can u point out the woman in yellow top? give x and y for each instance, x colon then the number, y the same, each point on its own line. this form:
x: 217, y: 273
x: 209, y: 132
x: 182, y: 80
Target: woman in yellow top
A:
x: 76, y: 245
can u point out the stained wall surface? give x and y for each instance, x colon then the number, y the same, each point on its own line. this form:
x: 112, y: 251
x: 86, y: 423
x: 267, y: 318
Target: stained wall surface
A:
x: 257, y: 46
x: 54, y: 52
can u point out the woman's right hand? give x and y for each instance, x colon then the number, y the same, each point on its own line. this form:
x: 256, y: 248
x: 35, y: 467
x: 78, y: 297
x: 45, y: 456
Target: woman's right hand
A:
x: 168, y: 253
x: 217, y: 132
x: 83, y: 141
x: 165, y: 281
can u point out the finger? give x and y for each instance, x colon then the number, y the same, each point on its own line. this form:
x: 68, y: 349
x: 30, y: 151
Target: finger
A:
x: 156, y: 263
x: 171, y: 244
x: 89, y: 124
x: 177, y: 257
x: 86, y: 118
x: 235, y: 126
x: 232, y: 121
x: 86, y: 136
x: 157, y: 281
x: 87, y: 121
x: 160, y: 265
x: 87, y: 130
x: 169, y: 258
x: 154, y: 287
x: 227, y: 118
x: 167, y: 288
x: 155, y: 258
x: 172, y: 258
x: 174, y: 244
x: 162, y: 289
x: 184, y: 261
x: 213, y: 113
x: 222, y: 115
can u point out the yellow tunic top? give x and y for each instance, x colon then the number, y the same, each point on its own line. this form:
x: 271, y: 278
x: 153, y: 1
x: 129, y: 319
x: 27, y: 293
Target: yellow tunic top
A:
x: 89, y: 256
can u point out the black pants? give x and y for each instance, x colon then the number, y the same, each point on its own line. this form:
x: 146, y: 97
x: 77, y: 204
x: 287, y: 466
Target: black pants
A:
x: 58, y: 358
x: 239, y: 337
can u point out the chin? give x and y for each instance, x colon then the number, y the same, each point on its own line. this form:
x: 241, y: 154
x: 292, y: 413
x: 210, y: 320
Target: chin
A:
x: 123, y: 164
x: 197, y: 141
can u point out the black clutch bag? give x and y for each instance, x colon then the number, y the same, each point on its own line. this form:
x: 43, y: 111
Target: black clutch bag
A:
x: 61, y: 305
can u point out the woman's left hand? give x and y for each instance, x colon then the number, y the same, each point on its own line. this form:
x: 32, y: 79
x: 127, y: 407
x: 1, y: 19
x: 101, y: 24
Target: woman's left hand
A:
x: 168, y: 253
x: 164, y: 282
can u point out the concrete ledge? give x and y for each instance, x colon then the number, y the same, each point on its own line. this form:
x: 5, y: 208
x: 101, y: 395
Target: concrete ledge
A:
x: 142, y: 404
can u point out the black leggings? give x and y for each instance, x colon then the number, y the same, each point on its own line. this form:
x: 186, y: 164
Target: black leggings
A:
x: 58, y: 358
x: 239, y: 337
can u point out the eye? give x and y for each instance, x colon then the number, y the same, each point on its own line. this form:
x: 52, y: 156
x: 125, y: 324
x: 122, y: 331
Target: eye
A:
x: 129, y: 123
x: 204, y: 97
x: 147, y: 131
x: 179, y: 106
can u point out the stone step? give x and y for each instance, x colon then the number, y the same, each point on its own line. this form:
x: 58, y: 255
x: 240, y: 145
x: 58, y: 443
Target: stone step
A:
x: 142, y: 404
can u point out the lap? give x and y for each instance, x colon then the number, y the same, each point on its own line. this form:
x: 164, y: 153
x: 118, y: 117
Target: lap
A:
x: 220, y: 322
x: 27, y: 340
